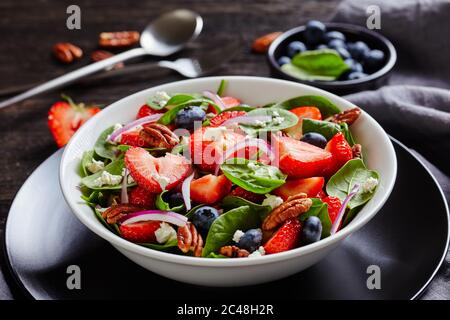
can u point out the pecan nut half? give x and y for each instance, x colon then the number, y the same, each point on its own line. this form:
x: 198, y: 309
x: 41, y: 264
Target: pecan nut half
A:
x: 99, y: 55
x: 291, y: 208
x: 357, y: 151
x: 67, y: 52
x: 156, y: 135
x: 190, y: 240
x: 347, y: 116
x: 233, y: 252
x: 118, y: 39
x: 117, y: 211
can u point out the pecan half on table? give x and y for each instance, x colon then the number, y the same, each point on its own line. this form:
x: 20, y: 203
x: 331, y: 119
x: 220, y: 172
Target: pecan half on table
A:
x: 99, y: 55
x: 291, y: 208
x: 117, y: 211
x: 118, y: 39
x: 156, y: 135
x: 190, y: 240
x: 233, y: 252
x: 67, y: 52
x: 347, y: 116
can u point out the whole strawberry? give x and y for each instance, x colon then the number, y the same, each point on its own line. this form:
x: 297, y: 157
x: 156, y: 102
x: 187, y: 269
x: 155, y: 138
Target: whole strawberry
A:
x: 285, y: 238
x: 65, y: 117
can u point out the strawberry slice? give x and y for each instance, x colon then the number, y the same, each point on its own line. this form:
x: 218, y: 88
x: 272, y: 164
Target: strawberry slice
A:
x: 302, y: 113
x: 151, y: 173
x: 299, y: 159
x: 334, y: 205
x: 210, y: 189
x: 65, y: 117
x: 145, y: 111
x: 141, y: 232
x: 229, y: 102
x: 310, y: 186
x: 224, y: 116
x: 341, y: 153
x: 250, y: 196
x: 207, y: 151
x: 133, y: 139
x: 285, y: 238
x: 321, y: 194
x: 141, y: 197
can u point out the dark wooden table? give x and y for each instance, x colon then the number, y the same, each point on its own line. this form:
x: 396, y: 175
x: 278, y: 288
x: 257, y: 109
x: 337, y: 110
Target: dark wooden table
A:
x: 29, y: 28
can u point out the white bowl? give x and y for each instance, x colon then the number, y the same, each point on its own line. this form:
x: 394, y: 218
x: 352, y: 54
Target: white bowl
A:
x: 379, y: 155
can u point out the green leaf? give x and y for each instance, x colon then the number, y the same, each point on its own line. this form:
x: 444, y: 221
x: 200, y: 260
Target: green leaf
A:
x: 325, y: 128
x: 326, y: 107
x: 161, y: 204
x: 213, y: 255
x: 179, y: 99
x: 319, y: 209
x: 253, y: 176
x: 222, y: 86
x: 241, y: 107
x: 342, y: 182
x: 114, y: 168
x: 124, y: 148
x: 223, y: 228
x: 280, y: 119
x: 171, y: 243
x: 323, y: 62
x: 351, y: 214
x: 103, y: 148
x: 113, y: 228
x: 86, y: 159
x: 302, y: 74
x: 347, y: 134
x: 170, y: 115
x: 231, y: 202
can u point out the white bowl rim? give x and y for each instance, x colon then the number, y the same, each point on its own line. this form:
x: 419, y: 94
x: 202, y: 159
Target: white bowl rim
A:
x: 115, y: 240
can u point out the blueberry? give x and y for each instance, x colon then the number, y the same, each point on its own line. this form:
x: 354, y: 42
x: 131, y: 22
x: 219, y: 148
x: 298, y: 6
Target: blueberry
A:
x: 373, y: 60
x: 251, y: 240
x: 354, y: 65
x: 343, y: 53
x: 336, y: 43
x: 315, y: 139
x: 321, y: 46
x: 283, y: 60
x: 203, y: 217
x: 358, y: 50
x: 312, y: 230
x: 173, y: 199
x: 331, y: 35
x: 186, y: 117
x: 314, y: 32
x: 356, y: 75
x: 295, y: 47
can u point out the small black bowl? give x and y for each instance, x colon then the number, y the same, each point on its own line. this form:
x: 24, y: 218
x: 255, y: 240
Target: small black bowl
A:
x: 353, y: 33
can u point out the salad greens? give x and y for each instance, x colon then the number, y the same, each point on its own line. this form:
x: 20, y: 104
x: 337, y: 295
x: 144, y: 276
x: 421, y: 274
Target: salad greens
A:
x: 280, y: 119
x: 161, y: 204
x: 87, y: 158
x: 325, y: 128
x: 231, y: 202
x: 319, y: 209
x: 115, y: 168
x: 326, y: 107
x: 103, y: 148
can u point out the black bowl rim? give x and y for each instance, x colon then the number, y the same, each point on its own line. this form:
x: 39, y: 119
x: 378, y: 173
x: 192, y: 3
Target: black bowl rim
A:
x: 340, y: 27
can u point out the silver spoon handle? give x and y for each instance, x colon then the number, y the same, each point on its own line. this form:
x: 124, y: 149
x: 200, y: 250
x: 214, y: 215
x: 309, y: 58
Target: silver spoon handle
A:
x: 74, y: 75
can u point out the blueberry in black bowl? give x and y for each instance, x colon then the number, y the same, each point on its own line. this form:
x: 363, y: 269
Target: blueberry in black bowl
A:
x: 314, y: 32
x: 358, y: 50
x: 283, y: 60
x: 295, y: 47
x: 343, y: 53
x: 373, y: 60
x: 333, y: 35
x: 336, y: 43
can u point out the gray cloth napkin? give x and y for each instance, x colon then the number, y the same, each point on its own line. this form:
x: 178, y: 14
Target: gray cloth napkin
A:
x: 411, y: 108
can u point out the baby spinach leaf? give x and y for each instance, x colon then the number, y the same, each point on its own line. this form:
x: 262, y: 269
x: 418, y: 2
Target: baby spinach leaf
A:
x: 222, y: 87
x: 342, y: 182
x: 216, y: 256
x: 171, y: 243
x: 325, y: 128
x: 326, y: 107
x: 280, y: 119
x: 103, y: 148
x: 86, y: 159
x: 170, y: 115
x: 323, y: 62
x: 161, y: 204
x: 303, y: 74
x: 253, y: 176
x: 224, y: 227
x: 319, y: 209
x: 351, y: 214
x: 124, y: 148
x: 231, y: 202
x: 114, y: 168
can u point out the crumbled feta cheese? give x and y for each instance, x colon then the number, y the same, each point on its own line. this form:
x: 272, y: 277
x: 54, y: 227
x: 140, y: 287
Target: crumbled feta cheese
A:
x: 165, y: 233
x: 253, y: 166
x: 108, y: 179
x: 238, y: 235
x: 95, y: 166
x: 370, y: 185
x: 272, y: 201
x: 117, y: 126
x: 258, y: 253
x: 275, y: 114
x: 260, y: 123
x: 214, y: 134
x: 277, y: 120
x: 161, y: 98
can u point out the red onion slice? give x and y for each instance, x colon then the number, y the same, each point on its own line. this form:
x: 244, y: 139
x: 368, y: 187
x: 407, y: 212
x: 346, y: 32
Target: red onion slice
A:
x: 186, y: 191
x: 247, y: 142
x: 155, y: 215
x: 246, y: 120
x: 124, y: 191
x: 133, y: 124
x: 214, y: 97
x: 341, y: 212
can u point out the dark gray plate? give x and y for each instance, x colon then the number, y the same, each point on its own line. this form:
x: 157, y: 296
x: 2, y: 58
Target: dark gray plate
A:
x: 407, y: 239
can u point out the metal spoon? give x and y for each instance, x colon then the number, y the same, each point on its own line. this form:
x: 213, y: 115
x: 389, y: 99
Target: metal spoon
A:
x: 164, y: 36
